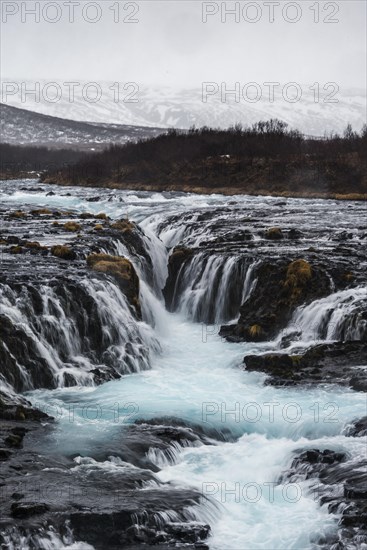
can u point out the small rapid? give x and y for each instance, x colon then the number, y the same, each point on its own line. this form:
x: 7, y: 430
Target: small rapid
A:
x: 196, y: 379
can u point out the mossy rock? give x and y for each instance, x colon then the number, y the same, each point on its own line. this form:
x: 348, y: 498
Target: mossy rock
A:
x: 180, y: 252
x: 298, y: 275
x: 349, y: 277
x: 86, y: 216
x: 19, y: 214
x: 282, y: 285
x: 101, y: 216
x: 72, y: 226
x: 64, y: 252
x: 124, y: 273
x: 123, y: 225
x: 255, y: 331
x: 274, y: 234
x: 16, y: 250
x: 122, y: 267
x: 41, y: 212
x: 34, y: 245
x: 98, y: 227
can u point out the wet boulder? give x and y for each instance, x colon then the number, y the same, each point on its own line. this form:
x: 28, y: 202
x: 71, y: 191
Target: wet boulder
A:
x: 63, y: 252
x: 281, y: 287
x: 273, y: 234
x: 358, y: 428
x: 333, y: 363
x: 123, y: 272
x: 17, y: 349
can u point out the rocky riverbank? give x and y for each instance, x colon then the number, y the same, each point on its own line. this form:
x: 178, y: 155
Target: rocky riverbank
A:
x: 340, y: 483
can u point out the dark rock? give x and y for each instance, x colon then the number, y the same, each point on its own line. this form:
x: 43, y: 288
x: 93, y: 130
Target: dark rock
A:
x: 288, y: 339
x: 12, y: 239
x: 358, y: 429
x: 5, y: 454
x: 178, y: 257
x: 28, y: 509
x: 280, y: 288
x: 333, y: 363
x: 294, y: 234
x: 356, y: 491
x: 340, y: 482
x: 17, y: 348
x: 188, y: 533
x: 14, y: 440
x: 63, y: 252
x: 123, y: 271
x: 273, y: 234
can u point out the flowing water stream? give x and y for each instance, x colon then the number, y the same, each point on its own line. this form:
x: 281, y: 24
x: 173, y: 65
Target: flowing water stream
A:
x: 194, y: 375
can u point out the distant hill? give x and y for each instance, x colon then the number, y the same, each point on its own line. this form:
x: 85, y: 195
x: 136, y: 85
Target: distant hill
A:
x: 23, y: 127
x: 165, y: 107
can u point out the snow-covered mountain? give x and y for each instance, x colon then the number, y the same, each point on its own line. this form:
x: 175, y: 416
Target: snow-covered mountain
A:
x: 23, y: 127
x: 165, y: 107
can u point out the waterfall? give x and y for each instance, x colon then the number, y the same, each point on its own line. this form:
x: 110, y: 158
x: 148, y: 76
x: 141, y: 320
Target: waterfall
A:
x: 65, y: 325
x: 340, y: 316
x: 212, y: 288
x: 68, y: 330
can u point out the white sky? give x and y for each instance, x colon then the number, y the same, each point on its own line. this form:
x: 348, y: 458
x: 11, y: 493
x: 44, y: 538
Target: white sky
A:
x: 171, y: 46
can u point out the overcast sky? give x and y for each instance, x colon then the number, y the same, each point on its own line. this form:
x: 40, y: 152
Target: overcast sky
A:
x: 171, y: 45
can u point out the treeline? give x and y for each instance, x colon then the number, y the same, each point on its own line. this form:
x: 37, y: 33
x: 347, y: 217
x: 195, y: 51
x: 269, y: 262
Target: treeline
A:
x: 265, y: 158
x: 21, y: 159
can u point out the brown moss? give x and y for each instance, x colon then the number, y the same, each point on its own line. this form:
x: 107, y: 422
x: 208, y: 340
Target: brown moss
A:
x: 123, y: 225
x: 34, y: 245
x: 180, y: 252
x: 16, y: 250
x: 55, y: 223
x: 18, y: 214
x: 274, y: 233
x: 348, y: 276
x: 255, y: 331
x: 111, y: 264
x: 101, y: 216
x: 298, y: 275
x: 124, y: 272
x: 86, y: 216
x: 98, y: 227
x: 41, y: 211
x: 64, y: 252
x: 350, y: 196
x: 72, y: 226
